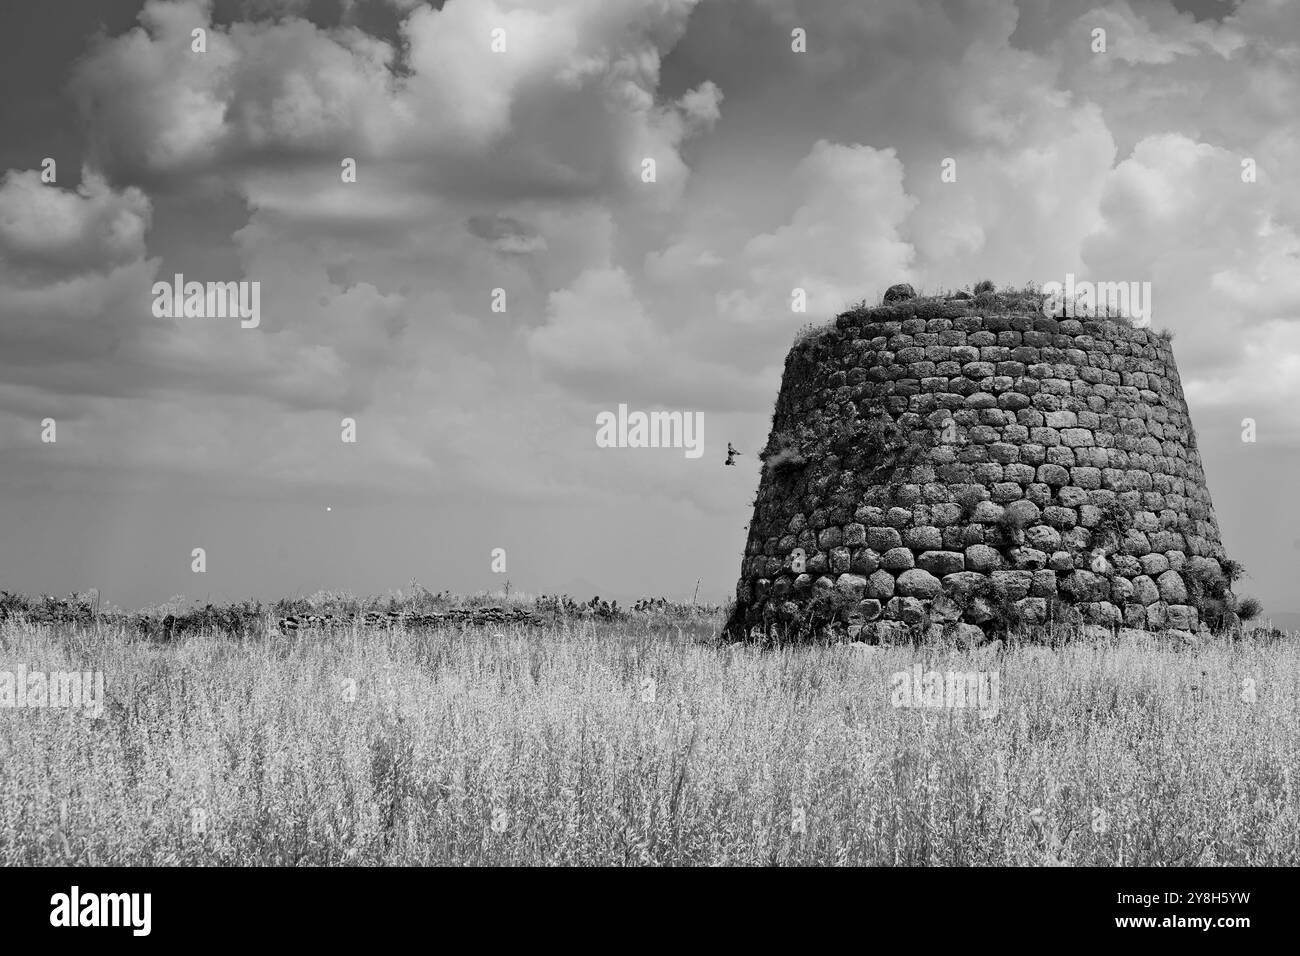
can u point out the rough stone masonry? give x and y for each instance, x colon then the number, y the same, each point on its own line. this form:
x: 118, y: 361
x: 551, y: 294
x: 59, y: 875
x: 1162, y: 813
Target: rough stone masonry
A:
x: 971, y: 461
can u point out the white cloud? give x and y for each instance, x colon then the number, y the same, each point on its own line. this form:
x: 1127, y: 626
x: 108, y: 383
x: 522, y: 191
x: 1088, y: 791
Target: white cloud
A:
x: 49, y: 229
x: 595, y: 326
x: 569, y: 105
x: 1135, y: 39
x: 844, y: 238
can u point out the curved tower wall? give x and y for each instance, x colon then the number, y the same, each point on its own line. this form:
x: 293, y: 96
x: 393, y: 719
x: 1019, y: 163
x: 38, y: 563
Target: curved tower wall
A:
x: 975, y: 460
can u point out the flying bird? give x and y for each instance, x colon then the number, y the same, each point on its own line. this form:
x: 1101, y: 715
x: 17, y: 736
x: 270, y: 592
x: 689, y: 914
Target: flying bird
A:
x: 731, y: 455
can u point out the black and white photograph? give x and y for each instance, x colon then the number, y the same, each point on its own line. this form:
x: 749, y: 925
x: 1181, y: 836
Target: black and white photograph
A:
x: 639, y: 434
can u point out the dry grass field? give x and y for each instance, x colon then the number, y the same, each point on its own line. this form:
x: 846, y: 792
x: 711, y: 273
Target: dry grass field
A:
x: 551, y: 746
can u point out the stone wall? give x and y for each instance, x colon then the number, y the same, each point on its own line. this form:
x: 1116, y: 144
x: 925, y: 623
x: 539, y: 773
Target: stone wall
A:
x: 973, y: 460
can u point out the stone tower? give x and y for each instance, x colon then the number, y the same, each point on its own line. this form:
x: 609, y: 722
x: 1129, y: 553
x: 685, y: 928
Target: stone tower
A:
x: 972, y: 460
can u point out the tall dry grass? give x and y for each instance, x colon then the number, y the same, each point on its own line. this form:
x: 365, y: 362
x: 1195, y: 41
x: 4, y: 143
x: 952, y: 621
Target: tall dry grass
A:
x: 213, y: 751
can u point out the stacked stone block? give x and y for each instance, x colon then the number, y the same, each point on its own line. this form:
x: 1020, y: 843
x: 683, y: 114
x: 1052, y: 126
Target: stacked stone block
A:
x: 1028, y: 436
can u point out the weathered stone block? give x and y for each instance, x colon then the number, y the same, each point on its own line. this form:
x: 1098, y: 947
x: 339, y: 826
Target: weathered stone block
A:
x: 1181, y: 616
x: 940, y: 563
x: 1028, y: 559
x: 1060, y: 455
x: 852, y: 585
x: 1061, y: 561
x: 1011, y: 585
x: 1043, y: 537
x: 829, y: 538
x: 918, y: 583
x: 886, y: 632
x: 1071, y: 497
x: 982, y: 558
x: 923, y: 538
x: 1156, y: 615
x: 884, y: 539
x: 1044, y: 584
x: 1172, y: 588
x: 1004, y: 453
x: 1102, y: 613
x: 898, y: 517
x: 1060, y: 518
x: 909, y: 610
x: 1054, y: 475
x: 880, y: 585
x: 945, y: 514
x: 1086, y: 477
x: 1167, y: 541
x: 1145, y: 590
x: 966, y: 634
x: 1121, y: 590
x: 944, y: 609
x: 1065, y: 419
x: 1135, y: 615
x: 1031, y: 610
x: 1007, y: 491
x: 1081, y: 586
x: 1135, y: 543
x: 897, y: 559
x: 963, y: 584
x: 864, y: 561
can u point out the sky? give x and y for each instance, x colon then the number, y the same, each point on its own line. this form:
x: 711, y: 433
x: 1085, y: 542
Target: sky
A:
x: 501, y: 272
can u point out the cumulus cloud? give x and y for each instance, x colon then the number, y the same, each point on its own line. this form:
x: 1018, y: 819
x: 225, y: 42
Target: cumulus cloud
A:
x: 1239, y: 268
x: 1265, y: 283
x: 76, y: 309
x: 564, y: 103
x: 1265, y: 378
x: 1157, y: 36
x: 596, y: 327
x: 845, y: 234
x: 73, y: 273
x: 46, y: 231
x: 156, y: 107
